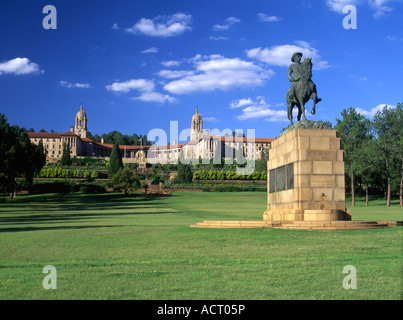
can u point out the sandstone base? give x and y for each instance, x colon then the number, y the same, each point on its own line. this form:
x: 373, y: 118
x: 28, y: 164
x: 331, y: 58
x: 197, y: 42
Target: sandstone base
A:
x: 300, y: 225
x: 306, y: 177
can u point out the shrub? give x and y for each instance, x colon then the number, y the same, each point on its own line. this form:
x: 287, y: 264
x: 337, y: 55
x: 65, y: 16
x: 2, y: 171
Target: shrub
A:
x: 91, y: 188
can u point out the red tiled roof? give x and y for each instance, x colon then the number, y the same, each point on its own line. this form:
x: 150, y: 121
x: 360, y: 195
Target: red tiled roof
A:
x: 174, y: 146
x: 69, y: 133
x: 50, y: 134
x: 44, y: 135
x: 242, y: 139
x: 110, y: 146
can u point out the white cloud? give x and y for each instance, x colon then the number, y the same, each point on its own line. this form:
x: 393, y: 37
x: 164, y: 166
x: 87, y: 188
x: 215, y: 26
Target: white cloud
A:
x: 74, y: 85
x: 373, y: 111
x: 210, y: 119
x: 170, y: 74
x: 281, y: 55
x: 19, y: 66
x: 171, y: 63
x: 394, y: 38
x: 155, y: 97
x: 338, y: 5
x: 258, y: 109
x: 228, y: 23
x: 380, y: 7
x: 240, y: 103
x: 134, y: 84
x: 150, y: 50
x: 265, y: 18
x: 145, y: 87
x: 219, y: 38
x: 216, y: 72
x: 163, y: 26
x: 115, y: 26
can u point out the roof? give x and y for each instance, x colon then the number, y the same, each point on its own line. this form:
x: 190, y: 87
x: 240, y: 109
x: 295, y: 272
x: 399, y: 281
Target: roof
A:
x: 44, y: 135
x: 51, y: 135
x: 54, y: 135
x: 110, y: 146
x: 69, y: 133
x: 241, y: 139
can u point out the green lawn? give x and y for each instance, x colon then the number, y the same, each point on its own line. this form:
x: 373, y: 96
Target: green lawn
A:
x: 112, y: 247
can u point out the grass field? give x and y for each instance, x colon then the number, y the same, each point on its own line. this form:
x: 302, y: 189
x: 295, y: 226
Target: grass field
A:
x: 115, y: 247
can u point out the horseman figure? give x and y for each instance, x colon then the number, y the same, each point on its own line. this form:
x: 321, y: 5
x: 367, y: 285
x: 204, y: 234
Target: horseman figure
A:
x: 302, y: 87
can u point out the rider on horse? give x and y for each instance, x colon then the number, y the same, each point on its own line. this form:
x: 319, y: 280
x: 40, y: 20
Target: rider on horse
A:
x: 301, y: 71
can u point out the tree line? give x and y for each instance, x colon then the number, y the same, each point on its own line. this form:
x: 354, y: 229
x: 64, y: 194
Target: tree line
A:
x: 373, y: 151
x: 18, y: 156
x: 110, y: 138
x: 121, y: 139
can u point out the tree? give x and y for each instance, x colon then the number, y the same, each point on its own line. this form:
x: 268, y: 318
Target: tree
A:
x: 125, y: 179
x: 66, y: 158
x: 368, y: 167
x: 18, y: 156
x: 353, y: 130
x: 185, y: 174
x: 115, y: 161
x: 387, y: 126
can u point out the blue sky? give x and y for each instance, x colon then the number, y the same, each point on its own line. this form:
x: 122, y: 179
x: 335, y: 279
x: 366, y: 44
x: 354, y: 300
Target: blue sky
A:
x: 137, y: 65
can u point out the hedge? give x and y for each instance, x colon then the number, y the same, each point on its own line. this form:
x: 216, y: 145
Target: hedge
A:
x: 67, y: 173
x: 228, y: 175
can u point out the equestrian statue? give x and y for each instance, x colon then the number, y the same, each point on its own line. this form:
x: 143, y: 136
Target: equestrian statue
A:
x: 302, y: 87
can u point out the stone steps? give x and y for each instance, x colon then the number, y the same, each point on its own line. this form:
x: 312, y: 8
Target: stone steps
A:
x: 299, y: 225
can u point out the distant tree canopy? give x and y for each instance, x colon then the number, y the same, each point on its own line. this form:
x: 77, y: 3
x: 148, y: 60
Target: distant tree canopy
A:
x: 373, y: 150
x: 121, y: 139
x: 19, y: 158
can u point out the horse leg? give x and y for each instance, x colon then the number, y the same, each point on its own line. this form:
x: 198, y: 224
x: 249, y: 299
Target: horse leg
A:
x: 290, y: 106
x: 314, y: 98
x: 289, y: 111
x: 302, y: 109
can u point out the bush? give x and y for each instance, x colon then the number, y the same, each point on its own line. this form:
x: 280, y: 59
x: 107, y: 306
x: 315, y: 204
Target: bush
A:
x: 184, y: 173
x: 52, y: 187
x: 125, y: 179
x: 91, y: 188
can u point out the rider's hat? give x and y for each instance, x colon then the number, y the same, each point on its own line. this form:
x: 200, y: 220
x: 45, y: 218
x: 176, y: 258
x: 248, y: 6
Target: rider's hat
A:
x: 295, y: 54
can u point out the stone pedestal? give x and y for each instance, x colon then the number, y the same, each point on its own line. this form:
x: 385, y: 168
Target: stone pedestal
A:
x: 306, y: 177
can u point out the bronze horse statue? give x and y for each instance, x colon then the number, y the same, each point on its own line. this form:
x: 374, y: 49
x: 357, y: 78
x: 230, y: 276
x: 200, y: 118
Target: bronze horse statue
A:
x: 302, y: 88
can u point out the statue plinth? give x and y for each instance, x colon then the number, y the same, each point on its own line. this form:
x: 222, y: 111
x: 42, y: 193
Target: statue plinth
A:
x: 306, y: 177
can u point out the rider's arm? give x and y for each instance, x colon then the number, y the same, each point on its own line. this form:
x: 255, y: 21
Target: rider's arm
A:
x: 290, y: 71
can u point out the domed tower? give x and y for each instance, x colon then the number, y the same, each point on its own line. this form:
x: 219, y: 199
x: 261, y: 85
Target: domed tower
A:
x: 196, y: 131
x: 81, y: 123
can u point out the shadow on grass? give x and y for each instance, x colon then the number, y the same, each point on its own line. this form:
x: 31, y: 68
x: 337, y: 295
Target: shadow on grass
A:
x: 81, y: 202
x: 27, y: 210
x: 19, y: 229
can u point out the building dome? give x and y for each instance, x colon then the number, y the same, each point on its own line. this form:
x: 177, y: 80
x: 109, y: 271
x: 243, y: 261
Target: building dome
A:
x: 81, y: 113
x: 196, y: 116
x: 80, y: 127
x: 196, y: 126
